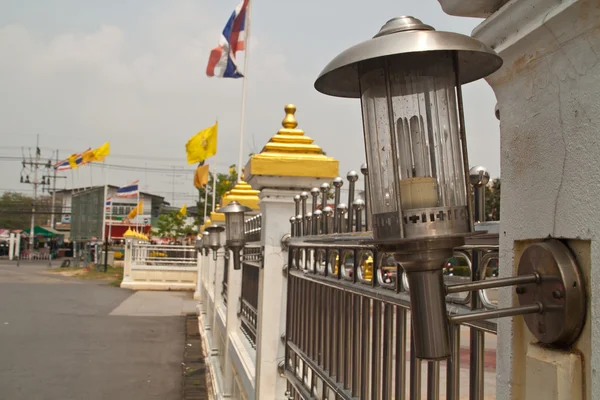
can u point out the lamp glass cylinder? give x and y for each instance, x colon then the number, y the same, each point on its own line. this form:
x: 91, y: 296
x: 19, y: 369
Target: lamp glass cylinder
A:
x: 234, y: 223
x: 214, y: 239
x: 410, y: 118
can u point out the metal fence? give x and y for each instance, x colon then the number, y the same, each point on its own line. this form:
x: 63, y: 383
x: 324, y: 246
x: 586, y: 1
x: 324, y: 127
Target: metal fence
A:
x: 252, y: 260
x: 145, y: 255
x: 348, y: 319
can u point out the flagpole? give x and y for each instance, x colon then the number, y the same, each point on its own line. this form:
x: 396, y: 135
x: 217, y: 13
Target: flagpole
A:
x: 206, y: 198
x: 137, y: 206
x: 104, y: 230
x: 214, y: 196
x: 246, y: 53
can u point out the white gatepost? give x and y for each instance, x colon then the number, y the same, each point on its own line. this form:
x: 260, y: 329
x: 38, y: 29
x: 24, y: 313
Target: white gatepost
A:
x: 276, y: 206
x: 549, y: 109
x: 11, y: 246
x: 198, y: 291
x: 127, y: 260
x: 289, y: 164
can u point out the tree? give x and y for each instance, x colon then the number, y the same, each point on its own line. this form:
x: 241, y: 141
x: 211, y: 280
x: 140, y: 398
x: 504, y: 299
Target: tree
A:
x: 225, y: 182
x: 492, y: 200
x: 165, y: 226
x: 15, y: 210
x: 172, y: 225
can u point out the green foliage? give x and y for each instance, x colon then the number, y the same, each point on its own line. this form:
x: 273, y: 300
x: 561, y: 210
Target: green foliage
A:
x: 15, y: 210
x: 173, y: 225
x: 225, y: 182
x: 492, y: 200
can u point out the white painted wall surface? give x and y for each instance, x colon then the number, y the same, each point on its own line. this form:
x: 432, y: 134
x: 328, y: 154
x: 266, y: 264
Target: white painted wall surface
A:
x: 548, y: 93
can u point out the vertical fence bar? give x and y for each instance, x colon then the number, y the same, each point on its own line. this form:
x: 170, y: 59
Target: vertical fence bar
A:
x: 415, y: 373
x: 433, y: 380
x: 314, y: 192
x: 337, y: 184
x: 476, y: 340
x: 453, y: 373
x: 476, y: 392
x: 303, y: 228
x: 344, y: 339
x: 355, y: 342
x: 352, y: 177
x: 401, y: 329
x: 324, y: 197
x: 364, y: 346
x: 376, y: 352
x: 387, y: 353
x: 365, y: 171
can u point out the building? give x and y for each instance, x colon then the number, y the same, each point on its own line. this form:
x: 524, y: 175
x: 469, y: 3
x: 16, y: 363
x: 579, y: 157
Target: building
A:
x: 116, y: 216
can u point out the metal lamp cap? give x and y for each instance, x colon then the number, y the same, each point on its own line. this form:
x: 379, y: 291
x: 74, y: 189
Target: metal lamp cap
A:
x: 402, y: 24
x: 233, y: 207
x: 214, y: 228
x: 406, y: 36
x: 479, y: 176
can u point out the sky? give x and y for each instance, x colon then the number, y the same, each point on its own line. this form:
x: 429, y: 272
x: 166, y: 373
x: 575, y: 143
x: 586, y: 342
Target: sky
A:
x: 79, y: 73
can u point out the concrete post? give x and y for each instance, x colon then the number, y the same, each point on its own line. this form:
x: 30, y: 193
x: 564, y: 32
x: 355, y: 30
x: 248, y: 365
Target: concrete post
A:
x: 11, y: 246
x: 198, y: 291
x: 289, y: 164
x: 127, y: 259
x: 232, y: 323
x: 547, y: 93
x: 276, y: 207
x: 18, y: 246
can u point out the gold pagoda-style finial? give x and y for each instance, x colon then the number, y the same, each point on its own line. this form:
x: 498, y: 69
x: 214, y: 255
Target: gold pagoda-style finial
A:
x: 289, y: 121
x: 291, y: 153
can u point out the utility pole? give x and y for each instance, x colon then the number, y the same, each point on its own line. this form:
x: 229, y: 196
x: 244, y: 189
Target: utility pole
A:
x: 52, y: 218
x: 34, y: 163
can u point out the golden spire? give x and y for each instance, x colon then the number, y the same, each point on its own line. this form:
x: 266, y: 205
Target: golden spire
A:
x: 291, y: 153
x: 243, y: 193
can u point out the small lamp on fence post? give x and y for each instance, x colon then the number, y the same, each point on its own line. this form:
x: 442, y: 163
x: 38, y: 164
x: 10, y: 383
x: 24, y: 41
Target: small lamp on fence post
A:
x: 205, y: 243
x: 198, y: 243
x: 234, y: 229
x: 409, y: 79
x: 214, y: 238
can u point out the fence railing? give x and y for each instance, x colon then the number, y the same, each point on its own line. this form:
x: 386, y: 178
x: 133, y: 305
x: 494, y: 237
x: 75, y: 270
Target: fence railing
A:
x: 167, y: 256
x: 252, y: 259
x: 348, y: 319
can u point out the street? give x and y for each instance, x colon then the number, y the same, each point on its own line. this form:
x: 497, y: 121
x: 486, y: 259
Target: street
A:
x: 65, y: 338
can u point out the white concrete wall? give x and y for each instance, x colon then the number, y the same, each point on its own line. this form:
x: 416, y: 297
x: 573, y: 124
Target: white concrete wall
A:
x: 548, y: 94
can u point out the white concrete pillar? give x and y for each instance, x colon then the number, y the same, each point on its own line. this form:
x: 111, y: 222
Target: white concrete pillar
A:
x: 548, y: 93
x: 232, y: 323
x: 199, y: 281
x: 276, y: 207
x: 11, y: 246
x: 18, y: 246
x: 127, y: 260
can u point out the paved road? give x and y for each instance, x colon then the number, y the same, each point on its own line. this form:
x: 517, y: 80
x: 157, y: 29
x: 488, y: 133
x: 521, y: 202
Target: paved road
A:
x: 63, y: 338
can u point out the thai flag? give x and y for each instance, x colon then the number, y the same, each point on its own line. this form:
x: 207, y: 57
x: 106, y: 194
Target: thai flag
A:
x: 66, y: 165
x: 232, y: 40
x: 131, y: 190
x: 108, y: 201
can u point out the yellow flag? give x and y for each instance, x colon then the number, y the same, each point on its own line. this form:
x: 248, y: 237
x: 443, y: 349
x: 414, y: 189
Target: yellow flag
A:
x: 73, y: 160
x: 98, y: 154
x: 201, y: 176
x: 137, y: 210
x: 182, y: 212
x: 202, y: 145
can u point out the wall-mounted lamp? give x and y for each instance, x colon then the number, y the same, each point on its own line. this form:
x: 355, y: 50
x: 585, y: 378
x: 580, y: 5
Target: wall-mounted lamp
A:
x: 198, y: 244
x: 409, y: 79
x: 214, y: 238
x: 205, y: 243
x: 234, y: 229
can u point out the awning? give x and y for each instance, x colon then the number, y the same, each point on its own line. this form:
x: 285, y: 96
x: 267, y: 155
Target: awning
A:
x: 43, y: 232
